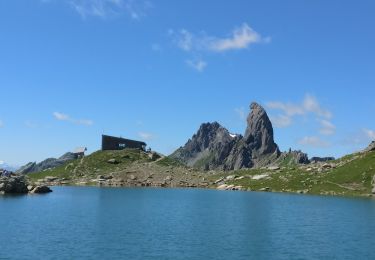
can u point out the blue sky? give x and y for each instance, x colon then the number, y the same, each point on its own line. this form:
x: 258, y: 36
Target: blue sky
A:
x: 71, y: 70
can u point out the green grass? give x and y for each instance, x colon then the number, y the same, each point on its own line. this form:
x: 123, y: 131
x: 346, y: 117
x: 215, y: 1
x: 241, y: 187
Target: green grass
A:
x: 167, y: 162
x: 95, y: 164
x: 203, y: 162
x: 352, y: 179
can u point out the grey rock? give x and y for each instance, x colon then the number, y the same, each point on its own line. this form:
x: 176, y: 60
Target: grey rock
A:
x: 49, y: 163
x: 50, y: 178
x: 41, y: 190
x: 213, y: 147
x: 371, y: 147
x: 15, y: 184
x: 230, y: 177
x: 112, y: 161
x: 321, y: 159
x: 154, y: 156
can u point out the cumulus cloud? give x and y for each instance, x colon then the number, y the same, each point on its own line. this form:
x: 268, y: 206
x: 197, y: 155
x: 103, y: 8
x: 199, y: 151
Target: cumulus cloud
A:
x: 198, y: 65
x: 64, y: 117
x: 313, y: 141
x: 104, y: 8
x: 287, y: 108
x: 327, y: 128
x: 146, y: 136
x: 241, y: 38
x: 309, y: 105
x: 281, y: 121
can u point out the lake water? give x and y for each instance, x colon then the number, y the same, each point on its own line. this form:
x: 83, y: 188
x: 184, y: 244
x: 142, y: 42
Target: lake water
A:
x: 105, y: 223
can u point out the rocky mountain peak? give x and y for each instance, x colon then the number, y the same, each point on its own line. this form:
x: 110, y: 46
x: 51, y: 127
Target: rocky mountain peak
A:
x: 213, y: 147
x: 259, y: 131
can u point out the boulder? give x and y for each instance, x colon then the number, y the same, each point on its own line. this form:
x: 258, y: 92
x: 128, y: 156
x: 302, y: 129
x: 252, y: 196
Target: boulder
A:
x: 41, y: 190
x: 230, y: 177
x: 50, y: 178
x: 15, y: 184
x: 222, y: 187
x: 154, y: 156
x: 371, y: 147
x: 112, y: 161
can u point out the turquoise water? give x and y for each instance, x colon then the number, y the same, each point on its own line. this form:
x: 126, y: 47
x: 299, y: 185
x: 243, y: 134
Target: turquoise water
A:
x: 101, y: 223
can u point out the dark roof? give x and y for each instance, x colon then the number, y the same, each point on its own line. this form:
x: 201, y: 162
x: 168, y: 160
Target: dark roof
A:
x: 120, y: 139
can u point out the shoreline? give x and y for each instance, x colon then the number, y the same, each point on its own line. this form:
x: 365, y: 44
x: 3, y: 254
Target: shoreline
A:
x: 369, y: 196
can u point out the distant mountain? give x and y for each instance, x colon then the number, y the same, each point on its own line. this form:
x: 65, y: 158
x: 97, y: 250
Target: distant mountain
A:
x: 7, y: 167
x: 49, y: 163
x: 213, y: 147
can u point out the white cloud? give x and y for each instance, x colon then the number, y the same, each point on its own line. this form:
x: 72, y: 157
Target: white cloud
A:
x: 288, y: 108
x: 313, y: 141
x: 312, y: 105
x: 61, y: 116
x: 327, y: 128
x: 185, y: 40
x: 281, y: 121
x: 369, y: 134
x: 104, y: 8
x: 309, y: 105
x: 146, y: 136
x: 241, y: 38
x: 241, y: 113
x: 64, y: 117
x: 198, y: 65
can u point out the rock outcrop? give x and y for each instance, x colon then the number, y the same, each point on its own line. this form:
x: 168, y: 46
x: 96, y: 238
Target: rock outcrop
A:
x: 321, y: 159
x: 17, y: 184
x: 291, y: 158
x: 49, y: 163
x: 371, y: 147
x: 214, y: 147
x: 13, y: 185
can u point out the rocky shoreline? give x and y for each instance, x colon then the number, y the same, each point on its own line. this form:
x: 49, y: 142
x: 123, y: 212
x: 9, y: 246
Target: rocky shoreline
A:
x: 18, y: 184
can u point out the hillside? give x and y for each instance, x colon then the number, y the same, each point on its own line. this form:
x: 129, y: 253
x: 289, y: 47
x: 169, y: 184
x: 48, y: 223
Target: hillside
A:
x: 351, y: 175
x: 129, y: 167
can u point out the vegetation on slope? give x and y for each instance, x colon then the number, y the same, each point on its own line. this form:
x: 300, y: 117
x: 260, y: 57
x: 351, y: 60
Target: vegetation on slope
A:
x: 100, y: 162
x: 351, y: 175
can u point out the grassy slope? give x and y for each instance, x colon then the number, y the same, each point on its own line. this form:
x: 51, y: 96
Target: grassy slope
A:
x: 353, y: 178
x: 94, y: 164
